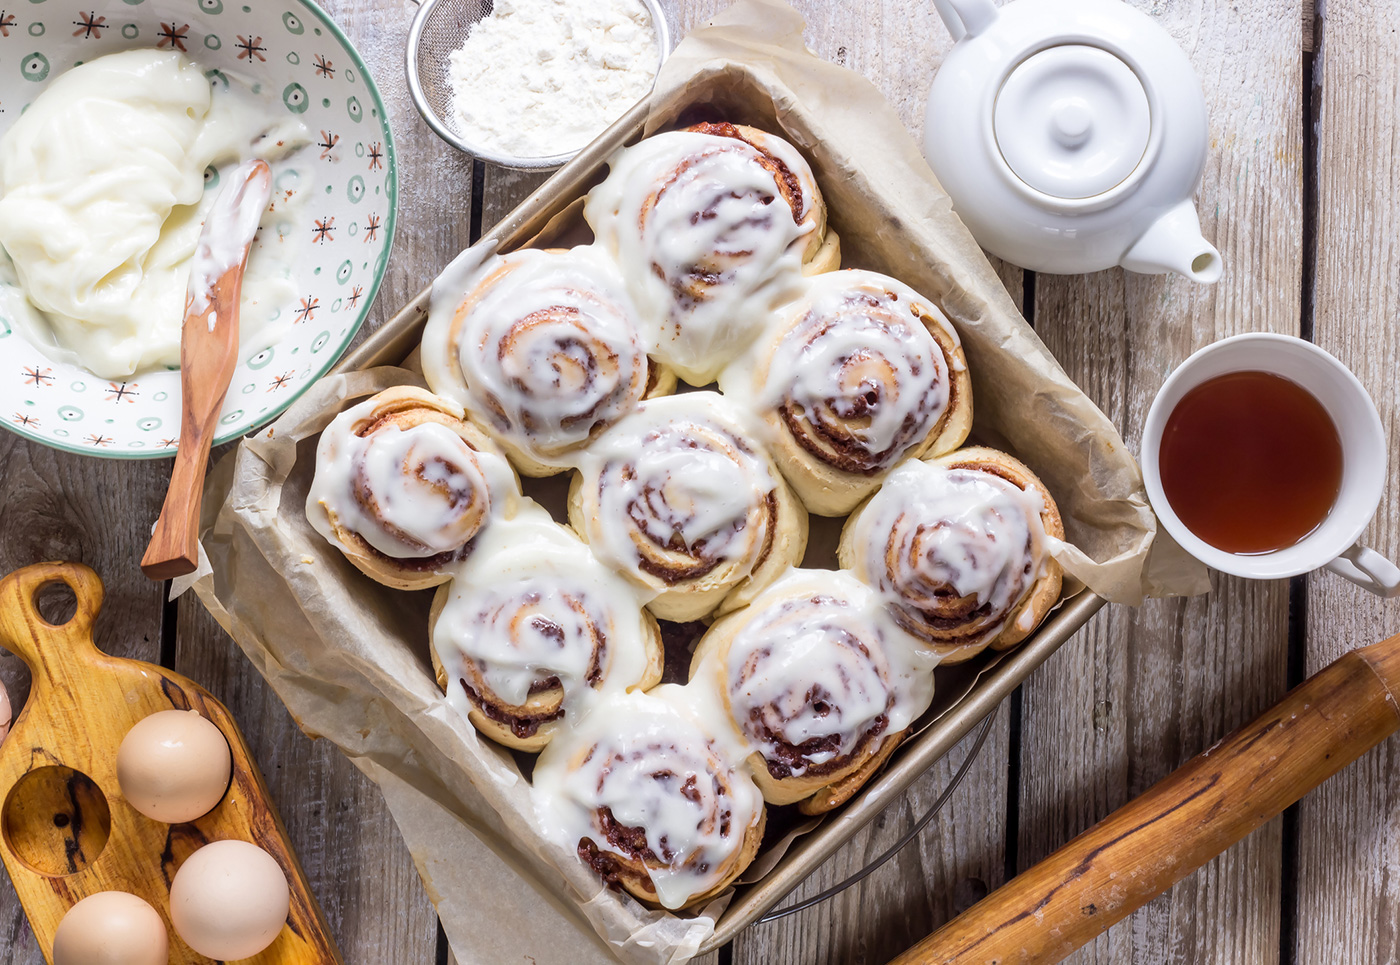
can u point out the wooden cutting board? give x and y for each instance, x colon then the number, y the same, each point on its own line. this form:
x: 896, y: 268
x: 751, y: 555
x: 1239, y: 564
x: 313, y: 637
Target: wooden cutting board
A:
x: 66, y: 832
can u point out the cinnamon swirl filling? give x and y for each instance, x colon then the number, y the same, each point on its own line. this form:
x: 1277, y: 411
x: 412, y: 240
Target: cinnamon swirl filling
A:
x: 422, y: 485
x: 544, y: 635
x: 809, y: 685
x: 717, y: 223
x: 525, y: 641
x: 644, y: 798
x: 788, y: 184
x: 551, y: 355
x: 545, y: 344
x: 401, y: 487
x: 677, y: 495
x: 955, y: 550
x: 862, y: 374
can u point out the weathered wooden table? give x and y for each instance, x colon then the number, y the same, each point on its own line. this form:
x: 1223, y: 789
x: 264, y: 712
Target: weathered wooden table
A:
x: 1301, y: 195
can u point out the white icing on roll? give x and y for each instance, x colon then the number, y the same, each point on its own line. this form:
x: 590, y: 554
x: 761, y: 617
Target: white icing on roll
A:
x: 532, y: 605
x: 960, y: 547
x: 543, y: 346
x: 410, y: 493
x: 856, y: 377
x: 817, y: 670
x: 707, y: 240
x: 642, y: 762
x: 680, y: 490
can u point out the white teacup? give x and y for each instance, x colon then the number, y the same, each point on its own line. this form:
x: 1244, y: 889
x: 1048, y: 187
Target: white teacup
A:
x: 1335, y: 543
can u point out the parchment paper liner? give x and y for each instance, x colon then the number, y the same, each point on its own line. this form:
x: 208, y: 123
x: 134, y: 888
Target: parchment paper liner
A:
x: 349, y: 658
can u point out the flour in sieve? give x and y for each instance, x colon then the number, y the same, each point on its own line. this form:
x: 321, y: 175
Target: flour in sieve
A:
x: 544, y: 77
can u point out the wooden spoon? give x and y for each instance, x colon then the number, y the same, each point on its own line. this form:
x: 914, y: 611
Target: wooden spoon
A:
x: 1179, y: 824
x: 208, y: 356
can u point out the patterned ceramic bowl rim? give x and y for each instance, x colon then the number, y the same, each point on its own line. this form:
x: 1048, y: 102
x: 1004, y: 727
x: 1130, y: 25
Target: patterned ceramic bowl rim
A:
x: 391, y: 218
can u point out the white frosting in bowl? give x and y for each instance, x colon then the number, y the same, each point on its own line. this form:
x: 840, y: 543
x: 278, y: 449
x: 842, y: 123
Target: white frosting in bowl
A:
x: 102, y: 197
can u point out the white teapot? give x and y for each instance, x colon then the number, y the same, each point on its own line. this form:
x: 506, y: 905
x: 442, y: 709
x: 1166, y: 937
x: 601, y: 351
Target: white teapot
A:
x: 1071, y: 135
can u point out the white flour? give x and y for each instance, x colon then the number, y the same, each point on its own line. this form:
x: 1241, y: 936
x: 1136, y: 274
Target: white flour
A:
x: 544, y: 77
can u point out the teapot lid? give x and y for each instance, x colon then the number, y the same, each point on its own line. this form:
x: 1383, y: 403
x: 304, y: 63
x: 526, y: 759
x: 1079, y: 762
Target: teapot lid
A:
x: 1072, y: 121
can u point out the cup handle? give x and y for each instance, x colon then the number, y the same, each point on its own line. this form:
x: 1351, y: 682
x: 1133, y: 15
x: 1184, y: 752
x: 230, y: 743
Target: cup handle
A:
x: 1368, y: 570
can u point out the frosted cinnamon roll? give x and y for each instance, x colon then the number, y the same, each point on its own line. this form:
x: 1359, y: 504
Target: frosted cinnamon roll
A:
x: 543, y: 348
x: 648, y: 799
x: 680, y: 498
x: 959, y: 548
x: 818, y: 682
x: 532, y: 628
x: 859, y: 373
x: 404, y: 485
x: 712, y: 225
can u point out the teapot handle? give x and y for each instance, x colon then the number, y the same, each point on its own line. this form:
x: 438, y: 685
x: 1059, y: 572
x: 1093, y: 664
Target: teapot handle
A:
x: 966, y: 18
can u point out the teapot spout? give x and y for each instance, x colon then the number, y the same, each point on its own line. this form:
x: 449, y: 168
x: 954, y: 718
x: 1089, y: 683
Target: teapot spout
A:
x: 1174, y: 243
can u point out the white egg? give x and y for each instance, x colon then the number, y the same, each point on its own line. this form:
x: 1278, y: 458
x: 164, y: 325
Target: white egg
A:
x: 4, y: 711
x: 111, y: 928
x: 229, y: 900
x: 174, y: 766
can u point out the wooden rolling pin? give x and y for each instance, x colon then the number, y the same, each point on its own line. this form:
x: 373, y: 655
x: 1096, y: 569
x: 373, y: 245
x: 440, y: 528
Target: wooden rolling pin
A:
x: 1189, y: 817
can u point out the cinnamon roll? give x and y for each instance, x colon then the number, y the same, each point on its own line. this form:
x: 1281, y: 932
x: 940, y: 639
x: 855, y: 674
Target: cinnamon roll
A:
x: 959, y: 547
x: 859, y: 373
x: 713, y: 225
x: 649, y: 800
x: 543, y: 348
x: 532, y: 628
x: 818, y: 682
x: 679, y: 497
x: 404, y: 484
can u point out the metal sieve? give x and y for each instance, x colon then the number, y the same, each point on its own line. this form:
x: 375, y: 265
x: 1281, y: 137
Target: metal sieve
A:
x: 442, y: 26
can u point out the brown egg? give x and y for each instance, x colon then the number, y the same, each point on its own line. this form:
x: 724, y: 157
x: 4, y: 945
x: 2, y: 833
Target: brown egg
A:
x: 174, y: 766
x: 111, y: 928
x: 229, y: 900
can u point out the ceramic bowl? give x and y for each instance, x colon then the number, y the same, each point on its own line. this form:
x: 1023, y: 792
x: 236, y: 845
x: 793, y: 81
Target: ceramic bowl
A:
x: 292, y: 48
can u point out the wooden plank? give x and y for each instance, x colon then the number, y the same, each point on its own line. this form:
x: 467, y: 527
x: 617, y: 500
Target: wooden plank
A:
x: 954, y: 863
x: 434, y: 178
x: 1166, y: 660
x: 1142, y: 690
x: 504, y: 189
x: 1348, y: 892
x: 60, y: 506
x: 897, y: 45
x: 355, y: 858
x: 949, y: 852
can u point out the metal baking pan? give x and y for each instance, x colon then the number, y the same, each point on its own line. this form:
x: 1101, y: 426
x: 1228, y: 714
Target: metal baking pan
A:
x: 968, y: 693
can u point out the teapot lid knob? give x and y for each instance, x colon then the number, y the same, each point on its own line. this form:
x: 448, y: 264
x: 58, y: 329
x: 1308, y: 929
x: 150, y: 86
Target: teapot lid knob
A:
x: 1072, y: 121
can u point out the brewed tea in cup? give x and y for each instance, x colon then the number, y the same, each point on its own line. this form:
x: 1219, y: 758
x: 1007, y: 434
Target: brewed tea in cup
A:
x: 1265, y: 457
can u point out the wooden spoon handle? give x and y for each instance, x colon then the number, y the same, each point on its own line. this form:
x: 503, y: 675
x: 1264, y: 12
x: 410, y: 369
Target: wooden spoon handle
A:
x: 1182, y: 822
x: 174, y: 547
x: 208, y: 356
